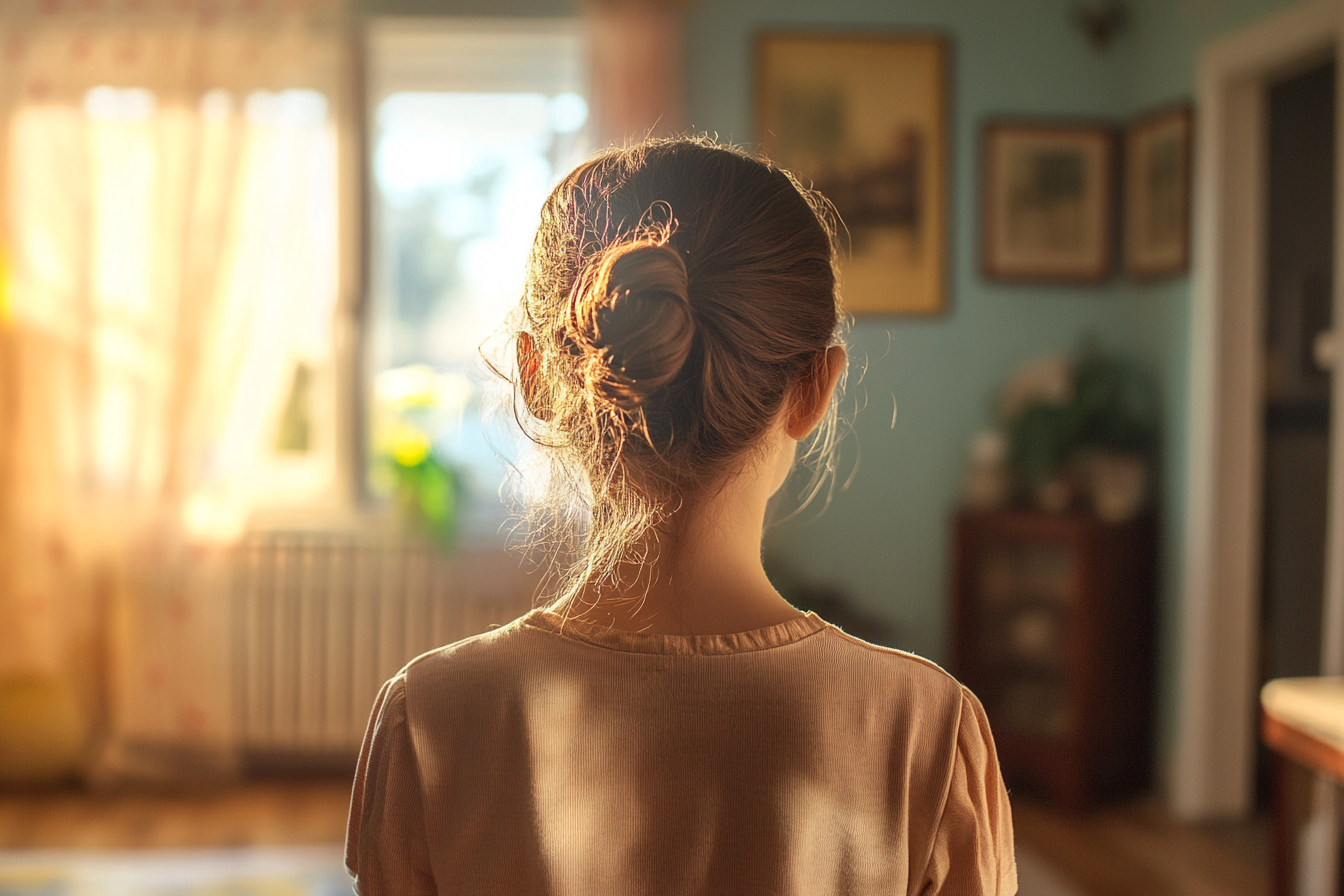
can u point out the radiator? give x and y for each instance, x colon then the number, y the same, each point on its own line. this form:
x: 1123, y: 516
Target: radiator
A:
x: 322, y: 620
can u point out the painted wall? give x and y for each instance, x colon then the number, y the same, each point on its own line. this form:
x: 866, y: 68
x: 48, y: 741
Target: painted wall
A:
x: 884, y: 540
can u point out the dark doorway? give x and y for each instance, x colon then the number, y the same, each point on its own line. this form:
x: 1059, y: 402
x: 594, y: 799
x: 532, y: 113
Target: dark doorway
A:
x: 1298, y: 290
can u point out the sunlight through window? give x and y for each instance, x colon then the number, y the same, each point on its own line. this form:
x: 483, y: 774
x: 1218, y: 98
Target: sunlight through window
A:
x: 462, y: 162
x: 112, y: 186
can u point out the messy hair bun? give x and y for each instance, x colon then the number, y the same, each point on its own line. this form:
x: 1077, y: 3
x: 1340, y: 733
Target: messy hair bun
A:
x: 676, y: 292
x: 632, y: 322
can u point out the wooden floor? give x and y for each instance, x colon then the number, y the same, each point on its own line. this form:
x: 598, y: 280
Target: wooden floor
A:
x: 266, y: 813
x: 1136, y: 849
x: 1129, y: 850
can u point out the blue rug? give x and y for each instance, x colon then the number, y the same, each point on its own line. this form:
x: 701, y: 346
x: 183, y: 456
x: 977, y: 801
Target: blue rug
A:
x: 310, y: 871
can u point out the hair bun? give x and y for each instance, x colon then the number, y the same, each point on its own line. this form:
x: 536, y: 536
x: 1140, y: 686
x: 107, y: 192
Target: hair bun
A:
x: 632, y: 321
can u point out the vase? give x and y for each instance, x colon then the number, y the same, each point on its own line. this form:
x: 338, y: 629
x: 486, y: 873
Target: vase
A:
x: 1119, y: 485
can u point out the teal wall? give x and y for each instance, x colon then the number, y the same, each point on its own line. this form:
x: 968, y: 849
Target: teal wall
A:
x: 884, y: 540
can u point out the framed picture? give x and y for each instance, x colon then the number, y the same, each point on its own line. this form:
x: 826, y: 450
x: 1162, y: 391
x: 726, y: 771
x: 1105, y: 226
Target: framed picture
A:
x: 1157, y: 193
x: 1048, y: 202
x: 864, y: 119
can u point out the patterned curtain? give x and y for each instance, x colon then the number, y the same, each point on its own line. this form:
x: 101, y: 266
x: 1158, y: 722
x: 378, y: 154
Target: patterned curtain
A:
x: 171, y: 307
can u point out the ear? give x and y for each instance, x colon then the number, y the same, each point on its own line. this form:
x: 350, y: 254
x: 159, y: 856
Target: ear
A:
x: 529, y: 366
x: 812, y: 392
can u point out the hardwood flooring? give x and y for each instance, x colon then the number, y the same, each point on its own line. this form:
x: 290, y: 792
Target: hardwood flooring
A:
x: 254, y: 813
x: 1133, y: 849
x: 1136, y: 849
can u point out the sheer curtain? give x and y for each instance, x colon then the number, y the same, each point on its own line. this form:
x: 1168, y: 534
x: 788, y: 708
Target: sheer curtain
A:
x: 170, y: 317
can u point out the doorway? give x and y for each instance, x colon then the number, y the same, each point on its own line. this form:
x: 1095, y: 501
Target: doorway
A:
x: 1236, y: 464
x: 1299, y: 270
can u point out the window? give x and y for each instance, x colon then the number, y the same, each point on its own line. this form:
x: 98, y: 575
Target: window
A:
x: 177, y: 259
x: 472, y: 123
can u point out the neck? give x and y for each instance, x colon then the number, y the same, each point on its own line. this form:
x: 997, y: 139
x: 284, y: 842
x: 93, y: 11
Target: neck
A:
x: 706, y: 577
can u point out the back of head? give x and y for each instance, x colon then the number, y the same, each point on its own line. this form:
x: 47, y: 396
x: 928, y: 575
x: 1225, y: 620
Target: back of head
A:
x: 677, y: 290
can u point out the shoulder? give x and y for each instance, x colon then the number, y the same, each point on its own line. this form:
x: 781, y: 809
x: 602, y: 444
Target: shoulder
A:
x: 918, y: 707
x: 472, y: 679
x: 488, y: 653
x: 889, y: 667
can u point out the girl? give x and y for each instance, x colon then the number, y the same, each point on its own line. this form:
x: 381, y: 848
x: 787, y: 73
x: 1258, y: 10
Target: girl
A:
x: 669, y: 724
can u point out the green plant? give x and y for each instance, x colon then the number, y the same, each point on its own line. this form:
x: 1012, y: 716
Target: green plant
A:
x: 1114, y: 405
x: 426, y: 490
x: 1110, y: 405
x: 410, y: 403
x: 1039, y: 442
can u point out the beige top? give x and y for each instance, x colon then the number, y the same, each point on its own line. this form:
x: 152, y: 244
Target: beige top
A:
x: 794, y: 759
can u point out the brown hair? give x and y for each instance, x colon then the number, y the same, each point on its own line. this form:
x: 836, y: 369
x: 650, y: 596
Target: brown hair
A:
x: 676, y: 292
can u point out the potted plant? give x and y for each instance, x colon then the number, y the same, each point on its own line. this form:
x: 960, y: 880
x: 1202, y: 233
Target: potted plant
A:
x: 1082, y: 427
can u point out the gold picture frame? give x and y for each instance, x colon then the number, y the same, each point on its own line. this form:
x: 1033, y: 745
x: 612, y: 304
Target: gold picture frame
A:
x: 1157, y: 193
x: 1047, y: 202
x: 864, y: 119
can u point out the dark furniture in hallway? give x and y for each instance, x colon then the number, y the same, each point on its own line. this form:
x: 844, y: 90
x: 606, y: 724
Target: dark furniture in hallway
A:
x: 1054, y: 632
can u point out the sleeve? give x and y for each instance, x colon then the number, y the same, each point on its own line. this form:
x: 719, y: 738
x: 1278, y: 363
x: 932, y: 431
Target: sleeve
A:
x: 385, y: 846
x: 973, y: 848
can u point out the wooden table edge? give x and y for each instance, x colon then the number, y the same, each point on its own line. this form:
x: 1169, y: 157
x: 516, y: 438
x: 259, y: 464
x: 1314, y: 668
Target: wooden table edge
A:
x: 1301, y: 746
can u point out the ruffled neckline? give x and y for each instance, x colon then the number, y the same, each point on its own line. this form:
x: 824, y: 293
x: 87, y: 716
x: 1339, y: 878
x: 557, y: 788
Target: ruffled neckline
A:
x: 576, y: 629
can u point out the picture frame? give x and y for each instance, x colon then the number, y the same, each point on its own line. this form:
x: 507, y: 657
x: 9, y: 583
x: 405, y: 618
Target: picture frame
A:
x: 1048, y: 201
x: 1157, y: 161
x: 864, y: 120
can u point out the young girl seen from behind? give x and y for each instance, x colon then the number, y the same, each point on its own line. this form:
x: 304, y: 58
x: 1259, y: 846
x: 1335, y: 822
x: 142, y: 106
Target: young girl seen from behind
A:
x: 668, y: 723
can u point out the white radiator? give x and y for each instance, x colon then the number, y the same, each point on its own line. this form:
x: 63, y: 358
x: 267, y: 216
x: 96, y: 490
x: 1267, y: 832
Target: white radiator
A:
x: 322, y: 620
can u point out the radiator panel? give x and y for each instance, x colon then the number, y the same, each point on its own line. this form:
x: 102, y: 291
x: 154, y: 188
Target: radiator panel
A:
x: 322, y: 620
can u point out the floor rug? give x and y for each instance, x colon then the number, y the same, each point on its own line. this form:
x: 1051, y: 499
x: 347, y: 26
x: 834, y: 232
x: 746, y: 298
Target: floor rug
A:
x: 312, y: 871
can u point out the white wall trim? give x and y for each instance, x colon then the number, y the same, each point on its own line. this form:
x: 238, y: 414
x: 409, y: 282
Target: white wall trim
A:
x: 1332, y: 629
x: 1212, y: 771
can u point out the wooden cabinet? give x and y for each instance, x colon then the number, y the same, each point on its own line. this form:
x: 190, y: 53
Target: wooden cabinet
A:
x: 1054, y: 632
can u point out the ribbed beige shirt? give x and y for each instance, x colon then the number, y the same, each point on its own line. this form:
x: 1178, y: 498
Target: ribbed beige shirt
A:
x: 550, y: 758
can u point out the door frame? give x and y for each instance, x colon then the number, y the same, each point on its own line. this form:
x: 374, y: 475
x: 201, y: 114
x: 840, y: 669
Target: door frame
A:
x: 1213, y: 761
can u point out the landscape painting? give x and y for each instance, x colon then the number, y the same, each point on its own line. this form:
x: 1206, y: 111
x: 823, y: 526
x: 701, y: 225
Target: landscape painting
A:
x: 1048, y: 202
x: 864, y: 121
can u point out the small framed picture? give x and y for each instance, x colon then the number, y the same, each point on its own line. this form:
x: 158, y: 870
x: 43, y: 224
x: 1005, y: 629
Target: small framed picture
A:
x: 1048, y: 201
x: 1157, y: 193
x: 864, y: 119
